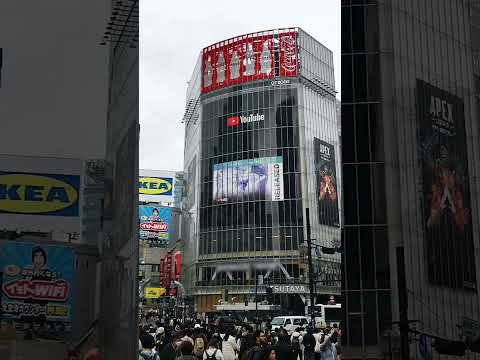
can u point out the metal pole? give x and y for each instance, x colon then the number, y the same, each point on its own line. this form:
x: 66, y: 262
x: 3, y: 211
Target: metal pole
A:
x: 310, y: 264
x: 256, y: 300
x: 403, y: 303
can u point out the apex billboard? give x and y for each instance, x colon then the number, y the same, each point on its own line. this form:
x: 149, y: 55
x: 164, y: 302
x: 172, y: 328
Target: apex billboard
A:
x: 249, y: 57
x: 326, y: 176
x: 446, y: 194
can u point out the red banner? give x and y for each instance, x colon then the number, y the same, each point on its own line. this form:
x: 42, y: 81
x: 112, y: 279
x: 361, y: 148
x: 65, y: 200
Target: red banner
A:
x: 249, y: 58
x: 177, y: 256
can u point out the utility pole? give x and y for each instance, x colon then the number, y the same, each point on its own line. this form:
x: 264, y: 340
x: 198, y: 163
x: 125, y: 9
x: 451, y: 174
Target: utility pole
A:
x: 256, y: 300
x: 310, y: 264
x: 403, y: 303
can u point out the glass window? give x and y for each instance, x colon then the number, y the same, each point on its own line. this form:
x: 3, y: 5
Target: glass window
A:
x: 364, y: 194
x: 358, y: 28
x: 362, y: 133
x: 347, y: 78
x: 352, y: 253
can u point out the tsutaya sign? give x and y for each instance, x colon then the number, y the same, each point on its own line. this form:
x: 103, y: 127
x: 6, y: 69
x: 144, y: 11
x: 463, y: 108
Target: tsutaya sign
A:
x: 257, y: 56
x: 290, y: 289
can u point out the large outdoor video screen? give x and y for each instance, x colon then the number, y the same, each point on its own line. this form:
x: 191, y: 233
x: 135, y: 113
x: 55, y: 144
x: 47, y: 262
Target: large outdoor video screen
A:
x: 326, y: 176
x: 247, y: 180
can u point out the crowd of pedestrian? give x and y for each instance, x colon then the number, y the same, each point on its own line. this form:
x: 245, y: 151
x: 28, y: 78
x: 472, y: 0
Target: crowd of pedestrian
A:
x: 222, y: 341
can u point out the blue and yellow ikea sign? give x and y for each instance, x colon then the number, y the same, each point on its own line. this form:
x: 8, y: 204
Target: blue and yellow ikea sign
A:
x: 39, y: 194
x: 155, y: 186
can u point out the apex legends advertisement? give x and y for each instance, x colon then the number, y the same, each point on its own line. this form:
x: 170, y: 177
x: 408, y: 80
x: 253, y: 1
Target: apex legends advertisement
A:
x: 326, y: 176
x: 37, y: 286
x: 446, y: 197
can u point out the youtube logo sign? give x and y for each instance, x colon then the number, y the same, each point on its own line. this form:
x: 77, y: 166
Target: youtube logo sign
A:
x: 233, y: 121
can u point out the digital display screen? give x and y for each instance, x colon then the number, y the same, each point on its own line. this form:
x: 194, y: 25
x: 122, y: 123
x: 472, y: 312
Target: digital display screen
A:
x: 251, y: 179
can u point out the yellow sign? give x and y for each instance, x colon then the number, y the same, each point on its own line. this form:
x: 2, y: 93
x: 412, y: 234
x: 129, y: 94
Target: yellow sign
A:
x: 38, y: 194
x: 155, y: 186
x: 154, y: 293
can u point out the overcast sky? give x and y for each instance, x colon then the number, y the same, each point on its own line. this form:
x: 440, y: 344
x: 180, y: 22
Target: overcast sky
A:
x: 172, y: 33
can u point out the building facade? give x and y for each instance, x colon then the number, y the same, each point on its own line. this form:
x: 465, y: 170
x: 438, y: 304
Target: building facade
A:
x: 410, y: 177
x: 160, y: 196
x: 261, y: 144
x: 118, y: 267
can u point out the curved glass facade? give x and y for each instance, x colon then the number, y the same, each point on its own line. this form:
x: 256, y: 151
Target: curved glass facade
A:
x: 238, y: 214
x: 264, y: 147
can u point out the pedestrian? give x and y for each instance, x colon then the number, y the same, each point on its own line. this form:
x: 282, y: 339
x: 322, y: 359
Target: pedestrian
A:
x: 318, y: 336
x: 328, y: 350
x: 148, y: 352
x: 283, y: 349
x: 169, y: 351
x: 188, y: 336
x: 296, y: 341
x: 213, y: 352
x: 257, y: 352
x: 230, y: 347
x: 309, y: 343
x: 161, y: 340
x: 200, y: 341
x: 247, y: 341
x: 271, y: 353
x: 186, y: 351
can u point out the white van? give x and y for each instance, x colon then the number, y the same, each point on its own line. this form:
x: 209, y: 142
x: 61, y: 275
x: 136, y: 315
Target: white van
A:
x: 289, y: 323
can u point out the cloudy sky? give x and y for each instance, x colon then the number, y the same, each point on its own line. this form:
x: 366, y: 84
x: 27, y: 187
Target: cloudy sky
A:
x: 172, y: 33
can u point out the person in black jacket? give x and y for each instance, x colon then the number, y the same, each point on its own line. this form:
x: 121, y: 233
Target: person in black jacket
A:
x: 309, y: 342
x: 169, y: 351
x: 283, y: 348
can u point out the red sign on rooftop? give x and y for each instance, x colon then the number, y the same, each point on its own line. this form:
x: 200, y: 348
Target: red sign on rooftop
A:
x: 250, y: 57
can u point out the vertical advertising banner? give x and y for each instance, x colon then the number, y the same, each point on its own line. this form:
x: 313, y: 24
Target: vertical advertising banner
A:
x: 326, y: 176
x: 177, y: 257
x: 446, y: 197
x: 252, y: 179
x: 37, y: 286
x: 248, y: 58
x: 190, y: 183
x: 154, y: 225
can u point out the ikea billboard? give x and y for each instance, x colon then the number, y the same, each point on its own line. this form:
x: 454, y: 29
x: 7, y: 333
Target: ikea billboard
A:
x: 41, y: 194
x: 157, y: 186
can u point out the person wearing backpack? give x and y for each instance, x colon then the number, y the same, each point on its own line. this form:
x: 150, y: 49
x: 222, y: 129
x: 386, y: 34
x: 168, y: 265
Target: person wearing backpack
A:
x: 148, y: 353
x: 296, y: 341
x: 199, y: 346
x: 213, y: 352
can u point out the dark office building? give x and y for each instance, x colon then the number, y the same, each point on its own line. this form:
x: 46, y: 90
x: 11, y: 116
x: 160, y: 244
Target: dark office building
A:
x: 410, y: 140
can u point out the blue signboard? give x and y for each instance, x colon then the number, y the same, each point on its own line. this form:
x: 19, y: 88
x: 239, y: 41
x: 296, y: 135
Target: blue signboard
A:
x: 37, y: 285
x: 39, y: 194
x: 154, y: 225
